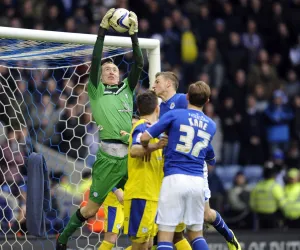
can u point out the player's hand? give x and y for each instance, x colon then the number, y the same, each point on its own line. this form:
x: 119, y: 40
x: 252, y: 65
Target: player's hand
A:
x: 123, y: 133
x: 120, y: 196
x: 133, y: 23
x: 147, y: 157
x: 105, y: 24
x: 163, y: 141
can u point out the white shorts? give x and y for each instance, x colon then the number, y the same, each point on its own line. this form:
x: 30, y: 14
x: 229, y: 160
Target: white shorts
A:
x: 182, y: 200
x: 205, y: 175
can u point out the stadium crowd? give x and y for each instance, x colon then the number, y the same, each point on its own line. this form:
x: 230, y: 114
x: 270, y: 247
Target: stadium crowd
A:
x: 247, y: 50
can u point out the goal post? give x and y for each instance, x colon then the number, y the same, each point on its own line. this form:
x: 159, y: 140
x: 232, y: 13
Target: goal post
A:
x: 151, y: 45
x: 44, y: 107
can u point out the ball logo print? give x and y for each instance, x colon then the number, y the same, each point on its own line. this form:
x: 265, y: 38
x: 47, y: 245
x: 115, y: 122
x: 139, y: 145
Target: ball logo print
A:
x: 120, y: 20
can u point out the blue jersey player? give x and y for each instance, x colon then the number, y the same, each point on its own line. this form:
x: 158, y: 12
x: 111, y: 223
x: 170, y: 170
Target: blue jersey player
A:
x: 182, y: 194
x: 165, y: 86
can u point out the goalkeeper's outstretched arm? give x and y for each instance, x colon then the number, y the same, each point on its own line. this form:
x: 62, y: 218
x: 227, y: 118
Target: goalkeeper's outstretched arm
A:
x: 137, y: 67
x: 95, y: 73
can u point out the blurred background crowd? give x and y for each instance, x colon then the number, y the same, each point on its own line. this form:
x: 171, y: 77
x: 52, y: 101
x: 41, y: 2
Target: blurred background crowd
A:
x: 247, y: 50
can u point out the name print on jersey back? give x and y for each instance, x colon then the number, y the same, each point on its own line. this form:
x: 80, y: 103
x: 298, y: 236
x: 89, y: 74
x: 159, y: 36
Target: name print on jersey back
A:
x: 191, y: 144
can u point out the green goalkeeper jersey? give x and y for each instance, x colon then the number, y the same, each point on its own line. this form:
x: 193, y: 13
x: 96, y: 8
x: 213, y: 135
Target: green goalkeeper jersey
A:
x: 112, y: 105
x: 112, y: 109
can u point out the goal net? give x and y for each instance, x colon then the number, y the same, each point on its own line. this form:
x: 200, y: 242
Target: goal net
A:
x: 44, y: 108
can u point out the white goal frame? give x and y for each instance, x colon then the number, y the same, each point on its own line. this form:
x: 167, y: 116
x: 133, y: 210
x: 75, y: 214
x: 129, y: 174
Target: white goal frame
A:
x: 151, y: 45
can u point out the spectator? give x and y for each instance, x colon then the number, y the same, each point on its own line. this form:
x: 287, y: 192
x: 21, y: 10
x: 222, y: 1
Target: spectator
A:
x: 263, y: 72
x: 267, y: 199
x: 189, y: 53
x: 229, y: 122
x: 293, y: 156
x: 171, y: 42
x: 221, y: 36
x: 251, y: 40
x: 278, y: 117
x: 238, y: 199
x: 292, y: 193
x: 295, y: 53
x: 205, y: 30
x: 236, y: 55
x: 252, y: 148
x: 292, y: 87
x: 231, y: 17
x: 261, y: 98
x: 211, y: 65
x: 144, y: 28
x: 51, y: 21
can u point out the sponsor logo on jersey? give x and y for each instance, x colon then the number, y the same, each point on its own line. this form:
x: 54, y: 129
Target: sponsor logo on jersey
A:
x: 95, y: 194
x: 126, y: 108
x: 172, y: 106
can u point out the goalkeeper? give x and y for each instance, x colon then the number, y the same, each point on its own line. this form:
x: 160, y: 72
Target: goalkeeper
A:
x: 112, y: 104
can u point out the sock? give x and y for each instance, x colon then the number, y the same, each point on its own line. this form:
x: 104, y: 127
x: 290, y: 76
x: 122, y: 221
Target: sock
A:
x: 199, y: 244
x: 75, y: 222
x: 105, y: 245
x: 129, y: 248
x: 164, y: 245
x: 222, y: 228
x: 183, y: 245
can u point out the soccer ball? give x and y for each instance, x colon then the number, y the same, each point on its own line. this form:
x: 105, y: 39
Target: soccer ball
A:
x: 120, y: 20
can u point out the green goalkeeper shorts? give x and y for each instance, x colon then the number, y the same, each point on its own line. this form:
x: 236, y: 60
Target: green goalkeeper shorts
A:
x: 107, y: 172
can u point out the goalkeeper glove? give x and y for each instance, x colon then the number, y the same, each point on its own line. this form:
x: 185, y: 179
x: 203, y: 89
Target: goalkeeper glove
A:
x: 133, y: 23
x: 105, y: 24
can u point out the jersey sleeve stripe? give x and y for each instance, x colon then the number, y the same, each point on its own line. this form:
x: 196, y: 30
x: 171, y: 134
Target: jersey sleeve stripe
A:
x: 149, y: 134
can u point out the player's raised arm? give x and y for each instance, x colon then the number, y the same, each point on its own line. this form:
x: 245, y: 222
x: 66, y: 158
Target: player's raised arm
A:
x: 158, y: 128
x: 137, y: 67
x: 95, y: 73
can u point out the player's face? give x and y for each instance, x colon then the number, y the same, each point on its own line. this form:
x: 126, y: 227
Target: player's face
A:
x: 110, y: 74
x: 160, y: 86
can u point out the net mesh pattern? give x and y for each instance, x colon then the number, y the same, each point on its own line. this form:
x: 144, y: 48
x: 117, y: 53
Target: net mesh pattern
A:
x: 44, y: 108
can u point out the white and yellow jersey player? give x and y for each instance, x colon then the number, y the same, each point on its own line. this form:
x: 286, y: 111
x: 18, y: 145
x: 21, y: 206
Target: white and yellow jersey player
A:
x: 113, y: 218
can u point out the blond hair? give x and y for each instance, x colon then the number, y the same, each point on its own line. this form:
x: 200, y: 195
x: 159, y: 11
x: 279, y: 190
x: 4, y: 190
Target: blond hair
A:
x: 170, y: 76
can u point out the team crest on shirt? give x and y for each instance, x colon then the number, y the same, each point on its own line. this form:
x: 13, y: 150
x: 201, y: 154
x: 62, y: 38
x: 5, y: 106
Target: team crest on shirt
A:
x: 172, y: 106
x: 144, y: 229
x: 118, y: 225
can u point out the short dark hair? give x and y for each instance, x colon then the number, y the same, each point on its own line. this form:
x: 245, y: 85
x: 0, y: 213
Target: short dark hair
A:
x: 107, y: 60
x: 199, y: 93
x: 171, y: 76
x: 146, y: 102
x: 135, y: 116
